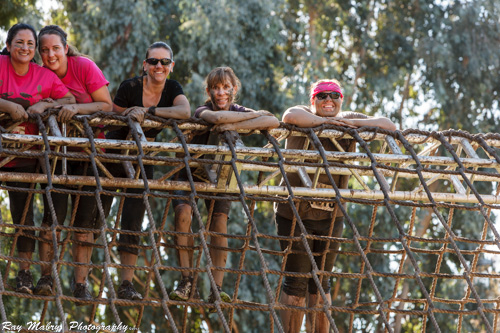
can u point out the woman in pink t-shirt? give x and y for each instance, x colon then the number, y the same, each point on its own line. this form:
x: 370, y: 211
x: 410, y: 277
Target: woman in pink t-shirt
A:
x: 89, y: 86
x: 25, y: 88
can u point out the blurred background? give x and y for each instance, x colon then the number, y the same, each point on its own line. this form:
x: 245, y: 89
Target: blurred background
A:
x: 426, y: 64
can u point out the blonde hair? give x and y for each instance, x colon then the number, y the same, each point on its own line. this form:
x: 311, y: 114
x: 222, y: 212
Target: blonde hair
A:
x: 317, y: 83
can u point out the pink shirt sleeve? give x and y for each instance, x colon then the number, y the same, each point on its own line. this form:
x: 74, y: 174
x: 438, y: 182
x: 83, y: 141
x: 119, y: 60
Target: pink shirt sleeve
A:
x: 94, y: 78
x: 83, y: 78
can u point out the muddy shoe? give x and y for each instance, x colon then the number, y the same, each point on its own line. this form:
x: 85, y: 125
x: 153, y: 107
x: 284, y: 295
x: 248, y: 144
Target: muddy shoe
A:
x: 183, y: 290
x: 44, y: 286
x: 223, y: 296
x: 24, y: 282
x: 82, y: 293
x: 127, y: 291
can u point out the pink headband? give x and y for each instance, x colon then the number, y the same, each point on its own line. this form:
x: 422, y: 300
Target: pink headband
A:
x: 326, y: 86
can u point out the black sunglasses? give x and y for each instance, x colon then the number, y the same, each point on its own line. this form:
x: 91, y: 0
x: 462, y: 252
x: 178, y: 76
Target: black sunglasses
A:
x: 154, y: 61
x: 324, y: 95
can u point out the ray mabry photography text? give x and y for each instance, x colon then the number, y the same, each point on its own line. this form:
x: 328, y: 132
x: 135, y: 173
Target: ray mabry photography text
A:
x: 74, y: 325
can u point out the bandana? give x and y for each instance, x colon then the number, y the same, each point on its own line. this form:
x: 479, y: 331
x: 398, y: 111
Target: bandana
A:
x: 326, y: 86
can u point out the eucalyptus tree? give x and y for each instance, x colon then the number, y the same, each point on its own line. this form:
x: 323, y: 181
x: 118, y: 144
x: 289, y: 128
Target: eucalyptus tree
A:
x: 424, y: 63
x: 11, y: 11
x: 116, y: 34
x: 243, y: 35
x: 433, y: 60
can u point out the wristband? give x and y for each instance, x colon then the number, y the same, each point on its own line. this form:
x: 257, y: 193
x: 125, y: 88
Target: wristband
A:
x: 152, y: 110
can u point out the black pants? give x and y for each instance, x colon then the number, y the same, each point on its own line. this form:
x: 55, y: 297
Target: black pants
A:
x: 133, y: 209
x: 86, y: 213
x: 18, y: 203
x: 299, y: 262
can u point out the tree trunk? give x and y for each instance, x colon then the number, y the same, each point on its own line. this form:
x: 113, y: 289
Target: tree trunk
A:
x: 313, y: 41
x: 406, y: 93
x: 362, y: 53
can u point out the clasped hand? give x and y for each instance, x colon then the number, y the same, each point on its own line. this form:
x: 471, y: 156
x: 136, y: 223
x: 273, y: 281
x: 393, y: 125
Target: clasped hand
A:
x: 18, y: 114
x: 136, y: 113
x: 225, y: 127
x: 66, y: 112
x: 340, y: 122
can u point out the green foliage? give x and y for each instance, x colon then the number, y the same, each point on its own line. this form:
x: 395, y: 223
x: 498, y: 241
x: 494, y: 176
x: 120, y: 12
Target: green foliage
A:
x: 427, y: 63
x: 18, y: 11
x: 430, y: 64
x: 122, y: 39
x: 461, y: 61
x: 247, y: 42
x: 12, y: 10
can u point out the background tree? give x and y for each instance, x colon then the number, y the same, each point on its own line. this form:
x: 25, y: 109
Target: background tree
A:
x: 427, y: 64
x: 13, y: 10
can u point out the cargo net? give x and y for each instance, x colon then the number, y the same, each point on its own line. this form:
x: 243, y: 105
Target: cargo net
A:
x: 419, y: 250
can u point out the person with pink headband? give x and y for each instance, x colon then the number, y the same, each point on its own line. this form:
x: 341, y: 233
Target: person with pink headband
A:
x: 318, y: 218
x: 326, y: 86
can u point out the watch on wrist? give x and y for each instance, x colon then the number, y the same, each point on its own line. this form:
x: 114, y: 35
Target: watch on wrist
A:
x: 152, y: 110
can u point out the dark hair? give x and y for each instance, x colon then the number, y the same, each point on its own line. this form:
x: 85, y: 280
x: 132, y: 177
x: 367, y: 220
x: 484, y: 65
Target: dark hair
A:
x: 56, y: 30
x: 13, y: 32
x: 157, y: 45
x: 221, y: 75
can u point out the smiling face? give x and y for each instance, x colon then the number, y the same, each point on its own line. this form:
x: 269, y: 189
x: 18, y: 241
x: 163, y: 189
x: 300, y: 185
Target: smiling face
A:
x: 22, y: 48
x: 158, y: 72
x: 53, y: 53
x: 222, y: 95
x: 327, y: 107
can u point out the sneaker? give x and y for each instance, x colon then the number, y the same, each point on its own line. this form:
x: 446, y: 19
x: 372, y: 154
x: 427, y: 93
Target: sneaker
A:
x: 72, y: 284
x: 24, y: 282
x: 82, y: 293
x: 127, y: 291
x: 223, y: 296
x: 183, y: 290
x: 44, y: 286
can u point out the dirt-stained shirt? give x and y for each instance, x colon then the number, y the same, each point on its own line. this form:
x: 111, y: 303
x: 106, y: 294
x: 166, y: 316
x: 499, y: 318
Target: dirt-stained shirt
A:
x: 82, y: 79
x: 309, y: 210
x: 26, y: 90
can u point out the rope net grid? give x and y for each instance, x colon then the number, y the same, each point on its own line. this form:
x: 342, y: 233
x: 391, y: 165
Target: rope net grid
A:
x: 419, y: 245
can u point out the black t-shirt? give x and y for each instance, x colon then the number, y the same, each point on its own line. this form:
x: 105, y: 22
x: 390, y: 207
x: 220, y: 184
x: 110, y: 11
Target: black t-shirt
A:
x: 130, y: 94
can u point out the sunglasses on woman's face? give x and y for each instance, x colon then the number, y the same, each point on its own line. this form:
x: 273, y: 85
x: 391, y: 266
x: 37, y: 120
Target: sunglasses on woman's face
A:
x: 324, y: 95
x: 154, y: 61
